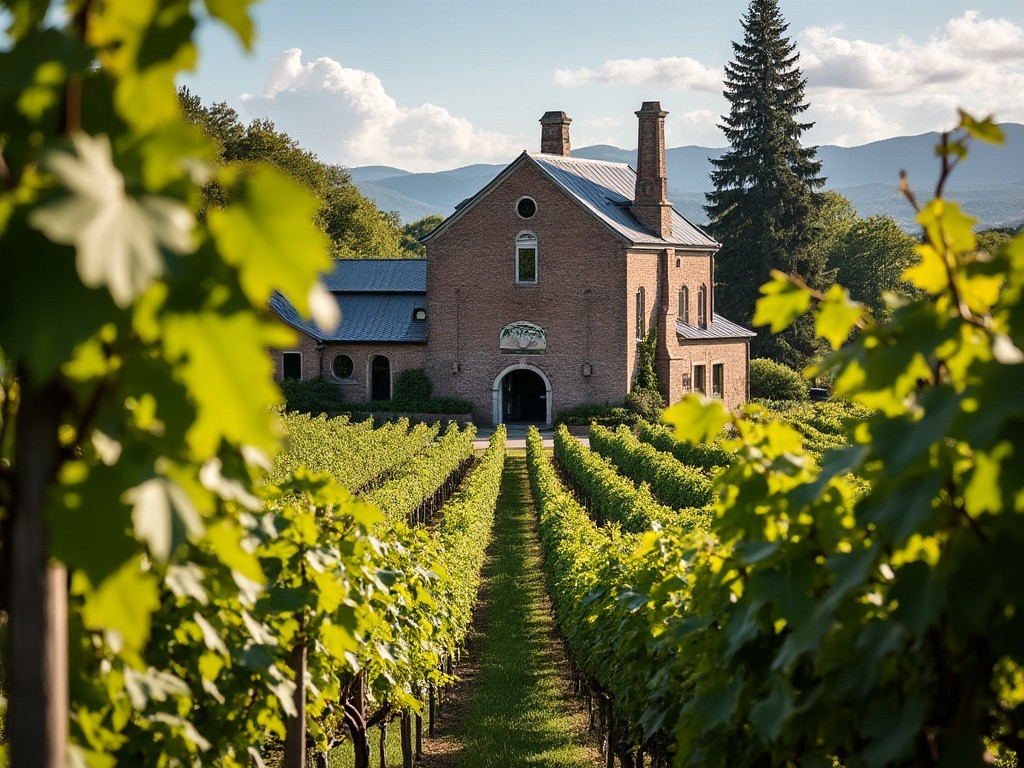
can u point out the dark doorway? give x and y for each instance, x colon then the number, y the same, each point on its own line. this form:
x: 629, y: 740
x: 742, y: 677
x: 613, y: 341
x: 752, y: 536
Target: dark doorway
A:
x: 524, y: 397
x: 380, y: 378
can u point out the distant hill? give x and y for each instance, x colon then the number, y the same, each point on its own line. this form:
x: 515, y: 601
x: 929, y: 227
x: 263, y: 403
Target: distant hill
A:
x: 990, y: 185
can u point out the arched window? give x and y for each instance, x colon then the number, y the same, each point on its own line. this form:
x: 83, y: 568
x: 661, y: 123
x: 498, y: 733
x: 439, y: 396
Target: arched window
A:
x: 684, y: 304
x: 702, y: 306
x: 641, y: 314
x: 526, y: 257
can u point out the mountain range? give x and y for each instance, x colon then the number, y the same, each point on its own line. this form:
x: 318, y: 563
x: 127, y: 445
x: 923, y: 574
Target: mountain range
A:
x: 989, y: 185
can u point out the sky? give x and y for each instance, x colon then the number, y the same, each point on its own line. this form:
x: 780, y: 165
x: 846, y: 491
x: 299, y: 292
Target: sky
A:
x: 428, y: 85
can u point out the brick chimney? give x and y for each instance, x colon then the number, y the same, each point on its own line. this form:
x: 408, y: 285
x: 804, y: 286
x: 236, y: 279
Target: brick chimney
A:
x: 554, y: 134
x: 650, y: 204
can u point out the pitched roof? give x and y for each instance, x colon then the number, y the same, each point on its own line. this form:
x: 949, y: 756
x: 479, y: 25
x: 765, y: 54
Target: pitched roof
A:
x: 377, y: 276
x: 720, y: 328
x: 376, y: 317
x: 605, y: 189
x: 376, y: 298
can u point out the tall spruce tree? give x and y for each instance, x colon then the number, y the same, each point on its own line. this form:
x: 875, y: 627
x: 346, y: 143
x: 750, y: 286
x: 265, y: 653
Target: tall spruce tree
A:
x: 763, y: 206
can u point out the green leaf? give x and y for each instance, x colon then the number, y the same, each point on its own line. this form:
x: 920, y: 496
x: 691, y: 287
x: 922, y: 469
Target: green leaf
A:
x: 122, y: 604
x: 836, y: 316
x: 223, y: 362
x: 783, y: 301
x: 696, y: 420
x: 236, y: 15
x: 769, y: 715
x: 117, y: 238
x: 267, y: 231
x: 984, y: 130
x: 157, y: 505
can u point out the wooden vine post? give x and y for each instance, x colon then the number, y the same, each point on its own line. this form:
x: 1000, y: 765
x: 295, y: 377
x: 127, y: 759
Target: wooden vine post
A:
x: 37, y: 719
x: 295, y: 725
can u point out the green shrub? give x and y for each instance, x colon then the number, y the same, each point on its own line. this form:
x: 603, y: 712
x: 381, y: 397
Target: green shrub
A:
x: 646, y: 402
x: 317, y: 395
x: 412, y: 389
x: 775, y: 381
x: 605, y: 415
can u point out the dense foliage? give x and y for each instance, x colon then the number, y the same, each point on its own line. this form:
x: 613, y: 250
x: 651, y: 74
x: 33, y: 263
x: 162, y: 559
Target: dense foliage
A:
x: 877, y: 622
x: 412, y: 389
x: 671, y: 482
x: 353, y: 224
x: 763, y: 207
x: 770, y: 380
x: 316, y: 395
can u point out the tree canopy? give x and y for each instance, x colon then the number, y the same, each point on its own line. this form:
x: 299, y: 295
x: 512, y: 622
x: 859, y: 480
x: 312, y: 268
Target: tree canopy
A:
x: 763, y: 207
x: 353, y: 224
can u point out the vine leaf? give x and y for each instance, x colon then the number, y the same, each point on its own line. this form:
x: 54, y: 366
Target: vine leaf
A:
x: 229, y: 381
x: 267, y: 232
x: 117, y: 238
x: 782, y: 303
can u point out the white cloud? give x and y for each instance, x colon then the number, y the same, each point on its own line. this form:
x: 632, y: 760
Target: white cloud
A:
x: 861, y: 91
x: 677, y: 73
x: 349, y: 118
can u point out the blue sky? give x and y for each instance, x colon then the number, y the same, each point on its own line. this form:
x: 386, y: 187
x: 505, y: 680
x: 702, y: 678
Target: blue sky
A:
x: 434, y: 84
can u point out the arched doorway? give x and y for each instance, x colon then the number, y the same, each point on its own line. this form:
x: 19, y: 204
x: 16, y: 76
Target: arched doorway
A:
x: 522, y: 394
x: 380, y: 378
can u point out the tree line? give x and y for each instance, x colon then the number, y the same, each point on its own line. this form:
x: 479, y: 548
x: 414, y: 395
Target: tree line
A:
x: 353, y: 224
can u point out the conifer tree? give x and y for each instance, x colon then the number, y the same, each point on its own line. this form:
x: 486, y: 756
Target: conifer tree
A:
x: 762, y: 209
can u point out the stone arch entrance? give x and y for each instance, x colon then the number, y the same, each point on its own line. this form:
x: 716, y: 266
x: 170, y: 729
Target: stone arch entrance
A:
x: 521, y: 394
x: 380, y: 378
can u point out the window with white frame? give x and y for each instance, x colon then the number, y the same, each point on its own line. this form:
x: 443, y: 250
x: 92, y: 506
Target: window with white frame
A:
x: 684, y: 304
x: 700, y: 379
x: 291, y: 365
x: 526, y: 257
x: 702, y: 307
x: 717, y: 380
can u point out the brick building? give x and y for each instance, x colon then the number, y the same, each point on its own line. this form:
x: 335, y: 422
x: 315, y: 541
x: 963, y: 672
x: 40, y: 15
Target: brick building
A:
x: 537, y: 291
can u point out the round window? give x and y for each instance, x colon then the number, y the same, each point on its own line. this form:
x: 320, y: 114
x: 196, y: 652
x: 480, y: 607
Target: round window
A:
x: 526, y: 207
x: 342, y: 366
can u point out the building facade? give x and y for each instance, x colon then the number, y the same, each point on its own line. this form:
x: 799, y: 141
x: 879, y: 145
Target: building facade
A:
x: 538, y: 292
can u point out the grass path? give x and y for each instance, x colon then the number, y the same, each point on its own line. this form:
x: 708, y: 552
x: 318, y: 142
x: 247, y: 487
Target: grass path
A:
x: 513, y: 707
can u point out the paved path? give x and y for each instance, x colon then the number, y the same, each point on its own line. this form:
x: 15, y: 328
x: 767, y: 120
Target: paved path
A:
x: 517, y: 436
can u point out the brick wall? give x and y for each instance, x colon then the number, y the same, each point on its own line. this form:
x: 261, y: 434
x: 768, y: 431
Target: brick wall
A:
x: 579, y: 298
x: 732, y: 355
x: 356, y: 388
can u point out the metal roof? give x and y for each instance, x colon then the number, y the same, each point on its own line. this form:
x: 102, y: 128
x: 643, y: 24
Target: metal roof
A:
x: 607, y: 189
x: 720, y: 328
x: 377, y: 276
x: 374, y: 317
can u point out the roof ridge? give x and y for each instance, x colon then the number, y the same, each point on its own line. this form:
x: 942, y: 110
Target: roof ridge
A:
x: 547, y: 155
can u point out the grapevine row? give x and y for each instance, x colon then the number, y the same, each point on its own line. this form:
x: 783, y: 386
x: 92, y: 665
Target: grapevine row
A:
x: 708, y: 457
x: 622, y: 640
x: 610, y: 496
x: 413, y: 490
x: 355, y: 454
x: 670, y: 480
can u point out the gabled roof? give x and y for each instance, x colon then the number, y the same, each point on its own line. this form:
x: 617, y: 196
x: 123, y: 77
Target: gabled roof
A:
x: 376, y: 298
x: 371, y: 317
x: 377, y: 276
x: 604, y: 189
x: 720, y: 328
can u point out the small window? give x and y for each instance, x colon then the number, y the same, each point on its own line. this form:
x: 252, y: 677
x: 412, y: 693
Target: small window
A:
x: 641, y: 314
x: 684, y: 304
x: 717, y: 379
x: 526, y: 207
x: 419, y: 314
x: 291, y: 365
x: 687, y: 383
x: 342, y: 366
x: 702, y: 306
x: 526, y: 258
x: 699, y: 380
